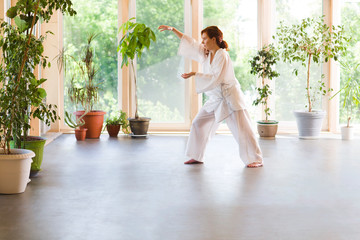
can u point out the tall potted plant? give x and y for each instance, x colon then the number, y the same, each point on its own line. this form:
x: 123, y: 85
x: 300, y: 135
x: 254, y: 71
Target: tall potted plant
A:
x: 351, y: 97
x: 136, y: 36
x: 21, y: 95
x: 84, y: 87
x: 262, y: 65
x: 310, y: 41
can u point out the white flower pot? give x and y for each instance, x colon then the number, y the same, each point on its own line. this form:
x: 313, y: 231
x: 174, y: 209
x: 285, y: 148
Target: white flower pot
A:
x: 15, y: 170
x: 347, y: 133
x: 309, y: 123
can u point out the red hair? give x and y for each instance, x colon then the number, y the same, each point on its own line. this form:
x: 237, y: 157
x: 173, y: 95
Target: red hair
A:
x: 215, y: 32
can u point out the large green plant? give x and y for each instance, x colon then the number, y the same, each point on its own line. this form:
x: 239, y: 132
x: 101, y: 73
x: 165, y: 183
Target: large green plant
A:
x: 350, y: 90
x: 311, y: 40
x: 136, y: 36
x: 262, y: 65
x: 21, y: 95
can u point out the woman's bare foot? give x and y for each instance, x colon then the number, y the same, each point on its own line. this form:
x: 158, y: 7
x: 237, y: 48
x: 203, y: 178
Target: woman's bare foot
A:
x: 254, y: 165
x: 193, y: 161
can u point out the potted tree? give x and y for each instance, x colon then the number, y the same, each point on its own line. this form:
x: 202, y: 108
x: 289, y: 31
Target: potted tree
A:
x: 351, y: 97
x: 310, y: 41
x: 84, y: 87
x: 80, y: 133
x: 136, y: 36
x: 21, y: 95
x: 115, y: 123
x: 262, y: 65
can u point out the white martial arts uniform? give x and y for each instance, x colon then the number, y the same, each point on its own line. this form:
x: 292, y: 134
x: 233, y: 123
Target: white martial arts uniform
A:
x: 226, y: 102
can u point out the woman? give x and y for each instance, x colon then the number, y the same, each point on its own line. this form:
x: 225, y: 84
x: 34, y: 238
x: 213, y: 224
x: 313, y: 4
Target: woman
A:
x: 226, y: 100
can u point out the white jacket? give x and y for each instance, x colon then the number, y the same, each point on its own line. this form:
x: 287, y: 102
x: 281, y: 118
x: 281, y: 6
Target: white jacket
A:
x: 218, y: 81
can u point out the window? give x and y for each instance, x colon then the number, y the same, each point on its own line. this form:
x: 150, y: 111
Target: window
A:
x: 161, y: 90
x: 350, y: 18
x: 99, y: 17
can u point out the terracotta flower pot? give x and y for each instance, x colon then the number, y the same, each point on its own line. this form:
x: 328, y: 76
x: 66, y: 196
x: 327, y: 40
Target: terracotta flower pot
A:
x: 93, y: 122
x: 113, y: 130
x: 80, y: 134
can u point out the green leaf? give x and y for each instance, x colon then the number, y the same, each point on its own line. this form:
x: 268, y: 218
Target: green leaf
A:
x: 21, y: 24
x: 12, y: 12
x: 42, y: 92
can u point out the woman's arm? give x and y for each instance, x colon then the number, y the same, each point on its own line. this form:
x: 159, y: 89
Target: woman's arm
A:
x: 174, y: 30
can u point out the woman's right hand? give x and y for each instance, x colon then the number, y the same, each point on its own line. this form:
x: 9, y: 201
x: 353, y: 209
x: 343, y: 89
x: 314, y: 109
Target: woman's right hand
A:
x: 164, y: 28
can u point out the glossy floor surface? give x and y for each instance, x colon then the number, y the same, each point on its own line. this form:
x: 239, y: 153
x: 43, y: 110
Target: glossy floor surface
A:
x: 139, y: 189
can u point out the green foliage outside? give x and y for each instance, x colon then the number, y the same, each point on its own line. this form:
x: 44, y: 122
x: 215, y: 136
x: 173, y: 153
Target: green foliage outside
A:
x: 161, y: 90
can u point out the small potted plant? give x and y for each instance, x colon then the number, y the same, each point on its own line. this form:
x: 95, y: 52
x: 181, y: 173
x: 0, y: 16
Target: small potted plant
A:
x: 351, y: 97
x: 310, y: 41
x: 136, y: 37
x: 115, y: 123
x: 21, y: 95
x: 84, y: 87
x: 262, y: 65
x: 80, y: 133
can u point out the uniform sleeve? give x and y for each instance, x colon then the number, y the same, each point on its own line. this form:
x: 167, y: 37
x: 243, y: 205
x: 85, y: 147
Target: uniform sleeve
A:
x: 192, y: 49
x: 207, y: 82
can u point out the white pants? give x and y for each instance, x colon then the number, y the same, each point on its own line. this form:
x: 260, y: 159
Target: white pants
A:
x: 204, y: 127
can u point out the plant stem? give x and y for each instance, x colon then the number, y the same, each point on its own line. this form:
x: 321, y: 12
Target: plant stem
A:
x: 308, y: 83
x: 136, y: 99
x: 263, y: 85
x: 22, y: 66
x: 348, y: 122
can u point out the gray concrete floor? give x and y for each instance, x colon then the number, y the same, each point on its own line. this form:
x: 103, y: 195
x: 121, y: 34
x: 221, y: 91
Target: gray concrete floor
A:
x: 139, y: 189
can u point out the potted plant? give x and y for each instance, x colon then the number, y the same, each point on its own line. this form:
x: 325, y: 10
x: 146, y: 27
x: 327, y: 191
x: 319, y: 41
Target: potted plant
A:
x: 85, y: 90
x: 21, y: 95
x: 136, y: 36
x: 351, y: 98
x: 310, y: 41
x: 80, y: 133
x: 262, y: 65
x: 115, y: 123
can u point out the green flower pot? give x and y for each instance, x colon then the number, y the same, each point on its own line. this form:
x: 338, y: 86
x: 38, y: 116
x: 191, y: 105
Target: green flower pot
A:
x: 35, y: 144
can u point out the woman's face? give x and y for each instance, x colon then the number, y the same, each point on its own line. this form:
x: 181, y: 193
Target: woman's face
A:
x: 209, y: 43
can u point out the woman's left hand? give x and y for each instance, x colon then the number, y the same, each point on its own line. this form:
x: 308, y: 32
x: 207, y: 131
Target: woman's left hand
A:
x: 187, y: 75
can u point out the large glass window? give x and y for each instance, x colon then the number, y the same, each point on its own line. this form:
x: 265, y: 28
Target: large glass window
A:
x: 350, y: 18
x: 99, y: 17
x: 161, y: 90
x: 237, y: 19
x: 290, y: 90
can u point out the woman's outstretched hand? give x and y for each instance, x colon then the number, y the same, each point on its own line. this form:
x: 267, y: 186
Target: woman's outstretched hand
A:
x: 164, y: 28
x: 187, y: 75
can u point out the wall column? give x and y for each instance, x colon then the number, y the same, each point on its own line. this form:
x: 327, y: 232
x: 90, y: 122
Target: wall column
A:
x: 331, y: 70
x: 265, y: 32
